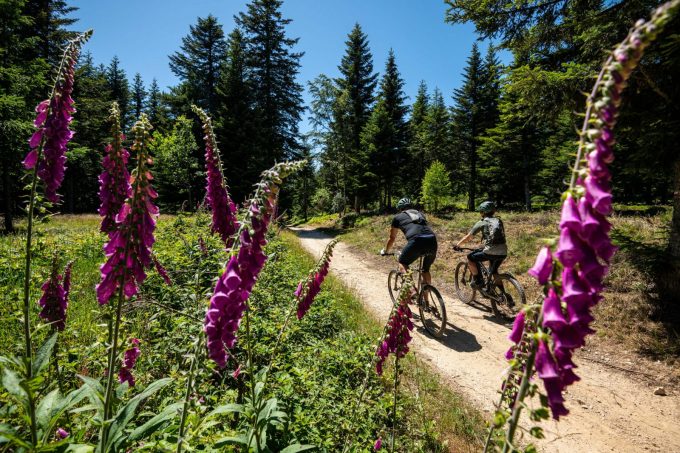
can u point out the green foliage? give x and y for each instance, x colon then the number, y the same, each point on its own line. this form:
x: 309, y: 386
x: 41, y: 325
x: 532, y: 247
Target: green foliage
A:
x: 436, y: 186
x: 176, y: 169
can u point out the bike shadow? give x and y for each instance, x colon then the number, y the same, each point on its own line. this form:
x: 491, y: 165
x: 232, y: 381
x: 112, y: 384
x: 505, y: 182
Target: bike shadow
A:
x: 454, y: 337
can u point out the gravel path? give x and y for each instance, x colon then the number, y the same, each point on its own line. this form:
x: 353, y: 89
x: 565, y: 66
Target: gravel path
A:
x: 610, y: 410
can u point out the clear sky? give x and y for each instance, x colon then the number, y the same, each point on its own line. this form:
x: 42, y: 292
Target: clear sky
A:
x: 142, y: 33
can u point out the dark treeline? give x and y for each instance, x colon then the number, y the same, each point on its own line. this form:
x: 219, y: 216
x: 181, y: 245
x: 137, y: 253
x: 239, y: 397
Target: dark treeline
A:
x: 246, y: 80
x: 507, y: 133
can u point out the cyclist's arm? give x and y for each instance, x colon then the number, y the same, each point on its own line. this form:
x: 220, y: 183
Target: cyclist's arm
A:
x: 466, y: 238
x: 393, y: 237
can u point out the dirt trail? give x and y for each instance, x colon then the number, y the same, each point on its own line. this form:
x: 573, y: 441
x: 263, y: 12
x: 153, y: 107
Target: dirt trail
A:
x: 610, y: 410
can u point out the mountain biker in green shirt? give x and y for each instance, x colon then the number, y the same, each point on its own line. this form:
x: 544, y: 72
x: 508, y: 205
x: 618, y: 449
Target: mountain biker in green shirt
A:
x: 495, y: 249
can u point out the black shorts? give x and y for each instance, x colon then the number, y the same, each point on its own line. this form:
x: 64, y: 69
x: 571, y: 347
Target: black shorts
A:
x: 425, y: 246
x: 494, y: 260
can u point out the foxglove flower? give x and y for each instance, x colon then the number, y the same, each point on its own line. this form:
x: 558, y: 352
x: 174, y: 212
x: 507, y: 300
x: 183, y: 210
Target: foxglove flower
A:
x: 114, y: 182
x: 54, y: 300
x: 542, y: 267
x: 129, y: 360
x: 585, y: 249
x: 128, y: 251
x: 223, y: 208
x: 49, y: 142
x: 233, y: 288
x: 62, y: 433
x: 398, y: 329
x: 308, y: 289
x: 378, y: 444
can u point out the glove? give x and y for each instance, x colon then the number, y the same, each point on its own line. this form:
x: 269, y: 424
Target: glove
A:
x: 383, y: 252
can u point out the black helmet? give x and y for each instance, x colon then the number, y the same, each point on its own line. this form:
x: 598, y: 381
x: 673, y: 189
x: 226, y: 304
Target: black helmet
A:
x: 404, y: 203
x: 487, y: 206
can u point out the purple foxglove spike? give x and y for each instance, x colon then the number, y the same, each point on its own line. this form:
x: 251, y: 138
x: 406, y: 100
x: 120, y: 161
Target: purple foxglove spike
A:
x: 553, y: 318
x: 570, y: 216
x: 517, y: 328
x: 378, y: 444
x: 545, y: 364
x: 553, y: 388
x: 599, y: 195
x: 604, y: 150
x: 542, y: 268
x: 608, y: 136
x: 575, y: 292
x: 592, y: 221
x: 602, y: 244
x: 569, y: 248
x: 598, y: 166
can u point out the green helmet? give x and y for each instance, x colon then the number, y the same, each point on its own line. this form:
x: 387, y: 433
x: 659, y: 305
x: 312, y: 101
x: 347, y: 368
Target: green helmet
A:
x: 487, y: 206
x: 404, y: 203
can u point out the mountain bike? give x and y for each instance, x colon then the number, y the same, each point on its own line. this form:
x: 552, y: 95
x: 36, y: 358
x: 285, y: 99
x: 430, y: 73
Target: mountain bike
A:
x: 505, y: 293
x: 429, y: 299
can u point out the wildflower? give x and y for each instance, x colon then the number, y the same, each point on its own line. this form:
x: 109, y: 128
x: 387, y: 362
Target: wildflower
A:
x: 228, y: 302
x: 543, y: 266
x: 223, y: 208
x: 378, y: 444
x: 307, y: 290
x: 236, y: 372
x: 399, y: 329
x: 53, y: 116
x: 114, y: 181
x: 62, y: 433
x: 54, y: 300
x: 128, y: 251
x: 161, y: 270
x: 129, y: 360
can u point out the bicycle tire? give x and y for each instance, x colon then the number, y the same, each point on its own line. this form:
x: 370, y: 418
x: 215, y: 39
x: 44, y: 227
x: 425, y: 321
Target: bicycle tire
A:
x: 463, y: 278
x: 502, y: 306
x: 432, y: 311
x: 394, y: 281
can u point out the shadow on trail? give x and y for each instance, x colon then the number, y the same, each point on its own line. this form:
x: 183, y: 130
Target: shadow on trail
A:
x: 316, y: 233
x: 460, y: 340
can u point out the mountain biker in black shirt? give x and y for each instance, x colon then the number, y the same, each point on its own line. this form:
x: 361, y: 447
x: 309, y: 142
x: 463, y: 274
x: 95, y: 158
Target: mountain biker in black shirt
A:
x: 421, y: 240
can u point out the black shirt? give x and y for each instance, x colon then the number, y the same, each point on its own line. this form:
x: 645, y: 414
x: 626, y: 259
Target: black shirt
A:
x: 412, y: 227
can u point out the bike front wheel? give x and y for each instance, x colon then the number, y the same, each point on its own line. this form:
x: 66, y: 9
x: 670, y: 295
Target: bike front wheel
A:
x: 432, y: 311
x: 508, y: 297
x: 465, y: 292
x: 394, y: 283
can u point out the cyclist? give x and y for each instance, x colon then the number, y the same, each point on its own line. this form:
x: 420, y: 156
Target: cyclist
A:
x: 495, y: 249
x: 421, y: 240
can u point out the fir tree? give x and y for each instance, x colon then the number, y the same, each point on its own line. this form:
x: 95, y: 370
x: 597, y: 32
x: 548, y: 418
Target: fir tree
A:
x: 120, y: 89
x: 359, y: 82
x: 417, y: 133
x: 49, y: 19
x: 139, y: 95
x: 272, y: 67
x: 198, y: 62
x: 437, y: 138
x: 235, y: 128
x: 468, y: 119
x: 155, y: 107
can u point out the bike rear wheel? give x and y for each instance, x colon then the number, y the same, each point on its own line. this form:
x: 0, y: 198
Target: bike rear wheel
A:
x: 432, y: 311
x: 508, y: 302
x: 394, y: 282
x: 465, y: 292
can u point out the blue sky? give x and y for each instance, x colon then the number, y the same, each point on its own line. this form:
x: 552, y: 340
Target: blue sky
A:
x: 143, y: 33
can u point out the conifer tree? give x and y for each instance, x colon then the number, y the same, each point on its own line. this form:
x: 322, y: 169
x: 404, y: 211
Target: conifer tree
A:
x: 156, y: 108
x: 272, y: 67
x: 417, y: 133
x: 120, y: 90
x: 469, y: 120
x: 437, y: 138
x: 197, y: 64
x: 358, y: 81
x: 139, y: 95
x: 49, y: 20
x: 235, y: 128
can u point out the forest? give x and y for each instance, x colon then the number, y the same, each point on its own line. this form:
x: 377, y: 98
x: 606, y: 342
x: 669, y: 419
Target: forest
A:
x: 201, y: 317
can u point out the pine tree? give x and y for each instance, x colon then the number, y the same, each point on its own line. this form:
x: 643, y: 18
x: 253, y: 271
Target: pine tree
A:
x: 358, y: 81
x: 389, y: 153
x: 272, y: 67
x: 120, y: 90
x: 235, y: 129
x: 49, y: 19
x: 468, y: 119
x: 437, y: 139
x: 156, y: 108
x: 417, y: 133
x: 139, y: 95
x: 197, y: 64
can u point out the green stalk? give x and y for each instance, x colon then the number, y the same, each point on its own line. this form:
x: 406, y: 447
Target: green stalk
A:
x: 251, y: 372
x: 187, y: 394
x: 394, y: 408
x: 517, y: 410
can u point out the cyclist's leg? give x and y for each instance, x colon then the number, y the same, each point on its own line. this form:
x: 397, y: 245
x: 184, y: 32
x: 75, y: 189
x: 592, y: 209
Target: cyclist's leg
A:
x: 429, y: 255
x: 494, y: 264
x: 408, y: 255
x: 473, y: 263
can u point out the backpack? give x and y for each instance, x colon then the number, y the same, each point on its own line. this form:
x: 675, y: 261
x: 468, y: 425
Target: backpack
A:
x: 416, y: 216
x: 496, y: 230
